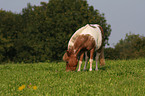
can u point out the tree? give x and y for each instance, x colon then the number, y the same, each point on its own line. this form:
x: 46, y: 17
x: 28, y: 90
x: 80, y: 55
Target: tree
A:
x: 41, y: 33
x: 133, y: 46
x: 52, y: 24
x: 7, y: 23
x: 64, y: 17
x: 111, y: 53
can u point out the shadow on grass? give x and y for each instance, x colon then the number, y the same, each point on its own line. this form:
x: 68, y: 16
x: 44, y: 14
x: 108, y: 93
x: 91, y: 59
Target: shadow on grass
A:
x: 52, y: 69
x: 104, y: 68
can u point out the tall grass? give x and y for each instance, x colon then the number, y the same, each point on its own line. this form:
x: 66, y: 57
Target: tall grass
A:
x: 118, y: 78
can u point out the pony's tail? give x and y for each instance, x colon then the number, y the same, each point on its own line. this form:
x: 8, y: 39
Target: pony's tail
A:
x: 101, y: 57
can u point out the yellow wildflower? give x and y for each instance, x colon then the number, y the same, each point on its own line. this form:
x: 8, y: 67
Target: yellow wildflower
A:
x: 21, y: 87
x: 34, y: 87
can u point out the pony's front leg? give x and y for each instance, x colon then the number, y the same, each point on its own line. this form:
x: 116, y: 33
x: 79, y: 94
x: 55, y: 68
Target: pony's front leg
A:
x: 80, y: 61
x: 91, y: 58
x: 91, y: 61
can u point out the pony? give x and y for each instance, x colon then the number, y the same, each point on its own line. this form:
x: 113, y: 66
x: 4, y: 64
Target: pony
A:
x: 89, y: 38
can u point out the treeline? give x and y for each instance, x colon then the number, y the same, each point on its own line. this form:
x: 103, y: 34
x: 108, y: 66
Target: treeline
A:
x: 41, y: 33
x: 132, y: 47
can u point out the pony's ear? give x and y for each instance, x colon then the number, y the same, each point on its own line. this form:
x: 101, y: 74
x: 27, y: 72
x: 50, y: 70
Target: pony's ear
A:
x: 65, y: 57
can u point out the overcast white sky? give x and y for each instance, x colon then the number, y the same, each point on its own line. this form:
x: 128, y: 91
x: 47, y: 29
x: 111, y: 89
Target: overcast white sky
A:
x: 124, y: 15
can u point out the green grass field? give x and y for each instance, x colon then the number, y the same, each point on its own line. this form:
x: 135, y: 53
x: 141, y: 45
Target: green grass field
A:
x: 116, y: 78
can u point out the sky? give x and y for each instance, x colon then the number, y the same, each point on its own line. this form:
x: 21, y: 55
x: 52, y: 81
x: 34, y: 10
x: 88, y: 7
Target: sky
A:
x: 124, y: 16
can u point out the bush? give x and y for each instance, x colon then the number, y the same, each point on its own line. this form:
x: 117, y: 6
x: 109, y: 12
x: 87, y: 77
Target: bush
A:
x: 133, y: 46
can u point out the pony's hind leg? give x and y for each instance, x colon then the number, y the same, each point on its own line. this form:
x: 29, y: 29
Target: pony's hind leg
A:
x: 80, y: 61
x: 86, y: 60
x: 97, y: 58
x: 91, y: 58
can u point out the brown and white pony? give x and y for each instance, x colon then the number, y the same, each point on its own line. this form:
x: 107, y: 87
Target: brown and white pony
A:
x: 88, y: 38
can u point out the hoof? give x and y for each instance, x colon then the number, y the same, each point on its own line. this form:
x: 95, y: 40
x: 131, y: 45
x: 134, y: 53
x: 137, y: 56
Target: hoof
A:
x: 90, y: 69
x: 84, y: 69
x: 79, y: 70
x: 96, y: 69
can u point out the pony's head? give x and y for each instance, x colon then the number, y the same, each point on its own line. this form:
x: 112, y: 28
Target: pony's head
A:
x: 71, y: 61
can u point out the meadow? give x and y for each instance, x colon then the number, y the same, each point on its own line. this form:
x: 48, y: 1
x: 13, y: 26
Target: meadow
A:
x: 116, y: 78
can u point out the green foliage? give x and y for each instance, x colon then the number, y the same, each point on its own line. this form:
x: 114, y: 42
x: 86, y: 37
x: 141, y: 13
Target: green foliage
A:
x: 116, y: 78
x: 133, y: 46
x: 111, y: 53
x: 7, y: 20
x: 41, y: 33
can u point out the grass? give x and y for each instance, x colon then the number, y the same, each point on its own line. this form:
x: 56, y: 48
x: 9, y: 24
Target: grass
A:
x: 116, y: 78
